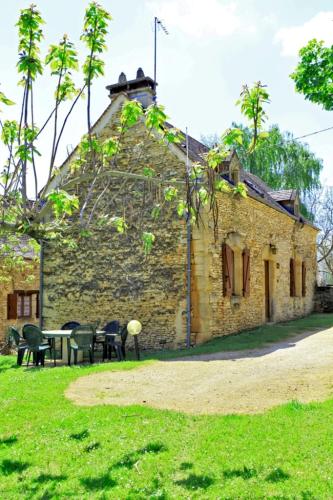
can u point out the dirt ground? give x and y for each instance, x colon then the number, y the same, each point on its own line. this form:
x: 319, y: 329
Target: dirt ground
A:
x: 234, y: 382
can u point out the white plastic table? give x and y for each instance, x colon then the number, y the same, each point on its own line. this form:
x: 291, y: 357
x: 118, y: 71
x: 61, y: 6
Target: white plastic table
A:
x: 65, y: 334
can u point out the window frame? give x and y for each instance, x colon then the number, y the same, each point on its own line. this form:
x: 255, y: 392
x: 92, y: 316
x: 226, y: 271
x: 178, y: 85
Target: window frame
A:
x: 21, y: 305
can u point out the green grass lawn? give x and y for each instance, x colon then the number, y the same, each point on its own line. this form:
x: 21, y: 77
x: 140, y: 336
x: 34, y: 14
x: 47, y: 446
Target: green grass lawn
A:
x: 251, y: 339
x: 50, y: 448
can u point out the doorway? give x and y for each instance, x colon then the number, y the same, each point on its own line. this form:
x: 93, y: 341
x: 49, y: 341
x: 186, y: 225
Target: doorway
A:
x: 267, y: 291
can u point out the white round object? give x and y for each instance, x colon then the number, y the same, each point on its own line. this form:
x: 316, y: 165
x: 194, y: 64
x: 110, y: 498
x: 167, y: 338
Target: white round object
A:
x: 134, y: 327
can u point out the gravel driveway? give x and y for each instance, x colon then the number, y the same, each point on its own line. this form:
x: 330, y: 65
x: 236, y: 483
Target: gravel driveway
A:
x: 227, y: 382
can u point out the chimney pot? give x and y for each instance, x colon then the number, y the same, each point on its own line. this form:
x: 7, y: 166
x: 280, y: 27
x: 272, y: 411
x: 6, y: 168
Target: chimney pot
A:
x: 122, y: 78
x: 142, y: 88
x: 140, y: 73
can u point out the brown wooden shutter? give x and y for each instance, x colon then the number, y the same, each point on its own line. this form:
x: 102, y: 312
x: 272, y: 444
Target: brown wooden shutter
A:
x: 228, y: 268
x: 292, y: 278
x: 12, y: 306
x: 246, y: 273
x: 303, y: 279
x: 37, y: 305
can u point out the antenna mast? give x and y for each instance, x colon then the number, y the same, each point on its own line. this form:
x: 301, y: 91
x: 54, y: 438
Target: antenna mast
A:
x: 158, y: 24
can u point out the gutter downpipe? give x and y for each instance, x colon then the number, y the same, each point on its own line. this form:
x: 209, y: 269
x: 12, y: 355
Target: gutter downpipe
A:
x: 188, y: 264
x: 41, y: 285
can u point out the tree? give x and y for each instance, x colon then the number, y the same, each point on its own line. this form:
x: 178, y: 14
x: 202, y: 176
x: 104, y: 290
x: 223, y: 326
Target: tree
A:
x: 21, y: 216
x: 320, y: 203
x: 280, y: 160
x: 313, y: 75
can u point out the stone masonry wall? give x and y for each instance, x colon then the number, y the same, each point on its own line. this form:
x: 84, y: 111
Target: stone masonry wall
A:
x: 259, y: 228
x: 108, y: 276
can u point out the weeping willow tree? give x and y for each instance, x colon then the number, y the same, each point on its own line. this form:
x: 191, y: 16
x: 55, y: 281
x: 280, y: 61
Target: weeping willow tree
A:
x: 280, y: 160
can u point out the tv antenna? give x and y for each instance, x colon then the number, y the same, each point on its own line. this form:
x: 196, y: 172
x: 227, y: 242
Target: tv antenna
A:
x: 158, y: 25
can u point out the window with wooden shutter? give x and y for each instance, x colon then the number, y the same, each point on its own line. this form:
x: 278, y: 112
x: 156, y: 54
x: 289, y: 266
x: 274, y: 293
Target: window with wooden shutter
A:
x: 228, y: 270
x: 12, y: 306
x: 303, y: 279
x: 246, y: 272
x: 292, y: 278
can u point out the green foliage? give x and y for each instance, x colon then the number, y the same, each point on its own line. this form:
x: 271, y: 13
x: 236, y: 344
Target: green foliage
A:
x: 251, y: 102
x: 149, y: 172
x: 110, y: 147
x: 280, y: 160
x: 130, y: 114
x: 9, y: 132
x: 30, y: 35
x: 155, y: 117
x: 173, y: 135
x: 240, y: 190
x: 62, y: 57
x: 313, y: 74
x: 119, y: 223
x: 95, y: 28
x: 63, y: 203
x: 5, y: 100
x: 222, y: 185
x: 181, y: 208
x: 13, y: 252
x: 148, y: 241
x: 216, y: 156
x: 170, y: 193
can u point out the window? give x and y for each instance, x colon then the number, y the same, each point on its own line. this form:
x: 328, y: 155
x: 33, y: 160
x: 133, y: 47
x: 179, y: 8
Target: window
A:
x: 24, y: 309
x: 236, y: 271
x: 19, y: 304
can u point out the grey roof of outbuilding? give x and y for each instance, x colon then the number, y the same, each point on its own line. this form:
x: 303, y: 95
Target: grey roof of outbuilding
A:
x: 284, y: 195
x: 22, y: 247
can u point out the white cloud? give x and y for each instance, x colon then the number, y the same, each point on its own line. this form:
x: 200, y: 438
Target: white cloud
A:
x: 295, y: 37
x: 198, y: 18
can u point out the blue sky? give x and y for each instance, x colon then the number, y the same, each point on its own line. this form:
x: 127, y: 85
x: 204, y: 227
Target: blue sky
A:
x: 213, y: 47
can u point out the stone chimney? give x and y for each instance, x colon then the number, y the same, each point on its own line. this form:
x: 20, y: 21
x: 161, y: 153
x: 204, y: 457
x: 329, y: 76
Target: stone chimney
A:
x: 142, y: 88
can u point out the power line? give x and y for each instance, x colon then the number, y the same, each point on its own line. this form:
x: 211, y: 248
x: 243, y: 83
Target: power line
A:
x: 312, y: 133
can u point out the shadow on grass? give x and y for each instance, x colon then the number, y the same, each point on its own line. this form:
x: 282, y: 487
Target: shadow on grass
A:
x: 80, y: 435
x: 102, y: 482
x: 244, y: 473
x: 130, y: 459
x: 186, y: 466
x: 307, y: 495
x: 46, y: 478
x: 92, y: 446
x: 8, y: 365
x: 8, y: 441
x: 8, y: 467
x: 196, y: 482
x: 277, y: 475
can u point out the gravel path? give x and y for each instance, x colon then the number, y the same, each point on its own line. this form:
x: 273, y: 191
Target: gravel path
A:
x: 227, y: 382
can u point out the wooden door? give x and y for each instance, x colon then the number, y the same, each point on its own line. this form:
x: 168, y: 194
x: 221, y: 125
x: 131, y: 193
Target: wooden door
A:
x: 267, y: 294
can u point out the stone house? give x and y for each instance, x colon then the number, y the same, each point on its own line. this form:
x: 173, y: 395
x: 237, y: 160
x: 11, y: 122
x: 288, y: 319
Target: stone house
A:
x: 19, y: 295
x: 259, y: 266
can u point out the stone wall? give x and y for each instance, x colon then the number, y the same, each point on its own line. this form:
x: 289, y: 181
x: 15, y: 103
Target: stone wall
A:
x: 27, y: 280
x: 269, y: 235
x: 108, y: 276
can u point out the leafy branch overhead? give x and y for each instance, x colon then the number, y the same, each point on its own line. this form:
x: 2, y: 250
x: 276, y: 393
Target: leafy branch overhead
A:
x: 99, y: 160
